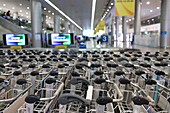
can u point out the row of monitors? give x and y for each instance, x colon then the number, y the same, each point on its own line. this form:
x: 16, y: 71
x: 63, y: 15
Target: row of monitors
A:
x: 53, y: 39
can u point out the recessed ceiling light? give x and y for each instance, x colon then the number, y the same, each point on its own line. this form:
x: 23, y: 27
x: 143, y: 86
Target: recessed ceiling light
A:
x: 27, y: 16
x: 152, y: 19
x: 28, y: 8
x: 107, y: 9
x: 130, y: 20
x: 52, y: 13
x: 45, y: 9
x: 110, y: 7
x: 46, y: 16
x: 20, y: 11
x: 49, y: 11
x: 151, y: 10
x: 22, y: 15
x: 111, y: 3
x: 20, y: 4
x: 60, y: 18
x: 4, y: 5
x: 49, y: 17
x: 148, y: 20
x: 127, y: 21
x: 158, y: 8
x: 148, y: 3
x: 13, y: 8
x: 27, y: 13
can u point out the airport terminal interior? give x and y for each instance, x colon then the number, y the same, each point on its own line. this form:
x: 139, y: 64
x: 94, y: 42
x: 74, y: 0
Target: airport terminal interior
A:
x: 84, y: 56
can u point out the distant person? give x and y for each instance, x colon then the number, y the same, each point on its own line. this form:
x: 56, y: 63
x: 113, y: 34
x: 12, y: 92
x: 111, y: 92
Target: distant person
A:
x: 19, y: 21
x: 8, y: 14
x: 4, y: 15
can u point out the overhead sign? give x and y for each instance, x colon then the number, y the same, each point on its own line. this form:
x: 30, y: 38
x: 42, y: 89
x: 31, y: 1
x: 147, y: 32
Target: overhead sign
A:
x: 104, y: 38
x: 124, y: 7
x: 101, y: 25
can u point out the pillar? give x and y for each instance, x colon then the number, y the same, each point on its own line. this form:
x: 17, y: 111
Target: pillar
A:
x: 165, y: 24
x: 124, y: 28
x: 66, y: 26
x: 56, y: 23
x: 36, y: 14
x: 117, y: 27
x: 71, y: 28
x: 137, y: 21
x: 44, y: 20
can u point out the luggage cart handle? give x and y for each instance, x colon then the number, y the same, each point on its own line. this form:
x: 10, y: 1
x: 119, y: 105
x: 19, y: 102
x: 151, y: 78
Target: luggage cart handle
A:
x: 55, y: 94
x: 67, y: 98
x: 145, y: 94
x: 11, y: 99
x: 100, y: 80
x: 118, y: 91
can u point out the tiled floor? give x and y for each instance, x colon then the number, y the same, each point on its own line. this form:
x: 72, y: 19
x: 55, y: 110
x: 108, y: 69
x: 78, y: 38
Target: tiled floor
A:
x: 142, y: 48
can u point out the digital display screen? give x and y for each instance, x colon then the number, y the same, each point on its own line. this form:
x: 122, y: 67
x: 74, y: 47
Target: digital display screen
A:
x: 60, y: 39
x: 15, y: 39
x: 81, y: 37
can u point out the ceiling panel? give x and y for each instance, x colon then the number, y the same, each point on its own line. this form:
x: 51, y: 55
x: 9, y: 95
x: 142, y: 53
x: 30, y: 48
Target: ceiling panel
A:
x: 78, y: 10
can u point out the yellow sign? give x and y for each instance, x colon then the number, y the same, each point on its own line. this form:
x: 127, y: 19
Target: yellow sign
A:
x: 101, y: 25
x: 16, y: 47
x: 97, y: 29
x: 61, y: 47
x: 124, y: 7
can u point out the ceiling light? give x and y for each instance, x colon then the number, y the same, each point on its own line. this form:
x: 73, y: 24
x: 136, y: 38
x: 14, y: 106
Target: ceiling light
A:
x: 20, y: 11
x: 27, y: 16
x: 4, y: 5
x: 93, y: 13
x: 22, y: 15
x: 120, y: 18
x: 107, y: 9
x: 60, y: 18
x: 52, y: 13
x: 49, y: 11
x: 148, y: 20
x: 111, y: 3
x: 62, y: 13
x: 152, y: 19
x: 13, y: 8
x: 20, y: 4
x: 27, y: 13
x: 130, y: 20
x: 151, y: 10
x: 127, y: 21
x: 158, y: 8
x: 46, y: 16
x: 148, y: 3
x: 49, y: 17
x: 28, y: 8
x: 110, y: 7
x: 45, y: 9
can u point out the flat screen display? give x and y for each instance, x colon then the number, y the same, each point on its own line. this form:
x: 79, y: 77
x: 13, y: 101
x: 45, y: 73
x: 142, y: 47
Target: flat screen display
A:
x: 15, y: 39
x: 81, y: 37
x: 61, y: 39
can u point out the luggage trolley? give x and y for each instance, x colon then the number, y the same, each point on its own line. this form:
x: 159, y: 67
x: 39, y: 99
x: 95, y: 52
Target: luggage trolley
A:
x: 12, y: 95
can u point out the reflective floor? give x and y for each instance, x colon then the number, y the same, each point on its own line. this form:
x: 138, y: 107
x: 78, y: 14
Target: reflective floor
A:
x: 142, y: 48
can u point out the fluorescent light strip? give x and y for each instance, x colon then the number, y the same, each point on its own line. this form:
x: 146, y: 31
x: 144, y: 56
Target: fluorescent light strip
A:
x: 62, y: 13
x: 93, y: 13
